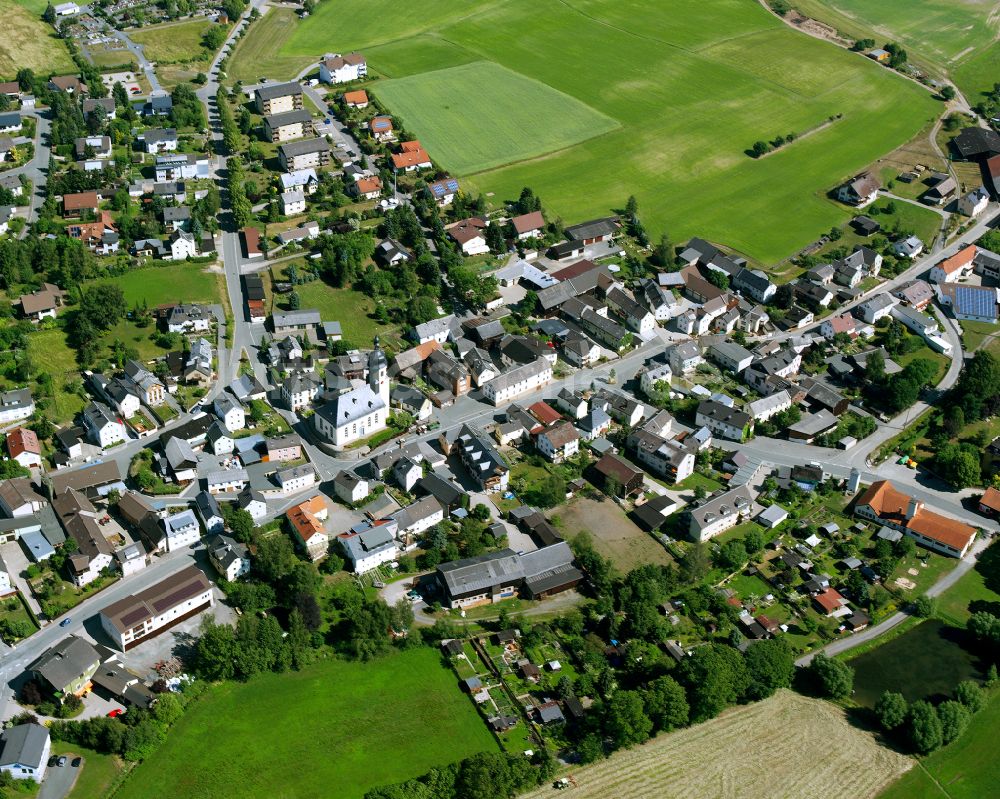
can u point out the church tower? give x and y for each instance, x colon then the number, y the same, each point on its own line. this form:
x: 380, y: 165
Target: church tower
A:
x: 378, y: 372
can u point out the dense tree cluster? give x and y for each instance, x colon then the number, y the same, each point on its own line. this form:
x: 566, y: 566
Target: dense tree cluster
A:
x: 922, y: 726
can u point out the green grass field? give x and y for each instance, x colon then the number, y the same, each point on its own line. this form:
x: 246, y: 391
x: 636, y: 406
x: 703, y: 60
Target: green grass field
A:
x: 965, y: 769
x: 29, y: 42
x: 174, y: 41
x: 36, y: 7
x: 954, y: 36
x: 256, y: 54
x: 334, y: 729
x: 692, y: 86
x: 157, y: 285
x: 525, y: 118
x: 50, y: 353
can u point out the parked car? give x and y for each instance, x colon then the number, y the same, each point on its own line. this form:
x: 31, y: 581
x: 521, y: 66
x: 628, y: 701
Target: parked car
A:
x: 66, y: 622
x: 116, y: 713
x: 62, y: 761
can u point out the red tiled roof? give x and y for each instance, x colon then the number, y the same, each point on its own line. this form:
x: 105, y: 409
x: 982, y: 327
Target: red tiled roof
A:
x: 544, y: 412
x: 989, y: 499
x: 22, y: 440
x: 410, y: 146
x: 359, y: 97
x: 410, y: 158
x: 84, y: 199
x: 830, y: 600
x: 574, y: 270
x: 959, y: 260
x: 888, y: 503
x: 368, y: 185
x: 527, y: 222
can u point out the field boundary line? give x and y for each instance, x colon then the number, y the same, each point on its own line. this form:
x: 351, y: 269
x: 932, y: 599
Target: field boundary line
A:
x: 933, y: 779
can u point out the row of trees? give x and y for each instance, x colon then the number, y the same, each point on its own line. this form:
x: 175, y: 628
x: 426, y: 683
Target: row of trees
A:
x: 924, y: 727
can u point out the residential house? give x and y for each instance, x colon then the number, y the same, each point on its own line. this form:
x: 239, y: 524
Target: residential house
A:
x: 293, y: 202
x: 763, y: 409
x: 723, y: 421
x: 835, y: 325
x: 528, y: 226
x: 210, y: 513
x: 356, y: 99
x: 24, y: 752
x: 443, y: 192
x: 684, y: 357
x: 877, y: 307
x: 958, y: 266
x: 372, y: 544
x: 23, y: 447
x: 754, y: 284
x: 351, y: 487
x: 517, y: 381
x: 343, y: 68
x: 721, y: 512
x: 915, y: 293
x: 230, y: 558
x: 910, y: 247
x: 229, y: 410
x: 974, y: 202
x: 559, y: 441
x: 102, y: 425
x: 860, y: 191
x: 470, y: 235
x: 66, y: 667
x: 42, y: 303
x: 185, y: 318
x: 306, y: 520
x: 159, y: 140
x: 381, y: 129
x: 921, y: 324
x: 730, y: 356
x: 75, y: 204
x: 482, y: 459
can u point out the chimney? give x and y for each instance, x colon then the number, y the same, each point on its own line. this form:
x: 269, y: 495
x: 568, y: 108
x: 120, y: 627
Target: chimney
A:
x: 912, y: 508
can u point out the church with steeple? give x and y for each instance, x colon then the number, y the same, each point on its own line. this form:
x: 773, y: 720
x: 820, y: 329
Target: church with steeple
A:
x: 360, y: 412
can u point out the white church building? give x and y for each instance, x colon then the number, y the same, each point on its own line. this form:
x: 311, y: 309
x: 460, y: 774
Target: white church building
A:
x: 361, y: 411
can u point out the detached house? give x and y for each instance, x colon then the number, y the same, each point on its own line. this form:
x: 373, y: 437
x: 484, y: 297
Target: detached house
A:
x: 559, y: 441
x: 42, y: 303
x: 859, y: 191
x: 724, y: 421
x: 957, y: 267
x: 470, y: 235
x: 343, y: 69
x: 306, y: 520
x: 754, y: 284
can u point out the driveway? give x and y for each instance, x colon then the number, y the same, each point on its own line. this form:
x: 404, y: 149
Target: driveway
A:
x: 59, y: 780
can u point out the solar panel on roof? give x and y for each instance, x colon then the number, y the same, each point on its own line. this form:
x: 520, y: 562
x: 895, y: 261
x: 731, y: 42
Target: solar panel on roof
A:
x: 452, y: 185
x: 975, y: 302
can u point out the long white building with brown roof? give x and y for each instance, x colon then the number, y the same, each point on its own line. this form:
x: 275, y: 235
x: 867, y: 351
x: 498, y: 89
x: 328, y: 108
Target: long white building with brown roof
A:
x: 882, y: 502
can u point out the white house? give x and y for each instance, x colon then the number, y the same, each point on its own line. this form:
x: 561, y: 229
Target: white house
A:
x: 958, y: 266
x: 720, y: 513
x: 910, y: 247
x: 351, y: 488
x: 227, y: 481
x: 293, y: 202
x: 296, y: 478
x: 877, y: 307
x: 337, y: 68
x: 559, y: 441
x: 103, y: 427
x: 657, y: 373
x: 766, y: 407
x: 859, y: 191
x: 181, y: 530
x: 25, y: 749
x: 520, y: 380
x: 685, y: 357
x: 253, y: 502
x: 371, y: 547
x: 229, y: 410
x: 731, y: 356
x: 229, y: 557
x: 974, y: 203
x: 919, y: 323
x: 182, y: 245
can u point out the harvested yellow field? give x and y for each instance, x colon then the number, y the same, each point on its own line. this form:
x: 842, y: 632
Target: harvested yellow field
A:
x: 786, y: 747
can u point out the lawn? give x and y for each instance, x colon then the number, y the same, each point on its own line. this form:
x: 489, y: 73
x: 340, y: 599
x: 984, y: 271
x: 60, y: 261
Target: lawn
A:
x: 179, y: 282
x: 256, y: 54
x: 970, y: 593
x: 179, y: 41
x: 975, y: 333
x: 365, y: 724
x: 29, y: 42
x: 50, y: 353
x: 351, y: 308
x: 97, y: 774
x: 526, y: 118
x: 785, y: 746
x: 965, y: 769
x: 692, y: 87
x: 925, y: 662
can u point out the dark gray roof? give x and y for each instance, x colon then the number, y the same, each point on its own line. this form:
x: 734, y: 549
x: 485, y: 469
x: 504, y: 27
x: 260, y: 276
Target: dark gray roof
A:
x: 275, y: 90
x: 24, y: 745
x: 299, y: 115
x: 483, y: 571
x: 304, y: 147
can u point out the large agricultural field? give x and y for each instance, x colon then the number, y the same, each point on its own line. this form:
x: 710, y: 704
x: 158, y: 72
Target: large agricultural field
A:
x: 29, y: 42
x: 690, y: 85
x: 785, y: 746
x: 348, y: 726
x: 455, y: 130
x: 958, y: 37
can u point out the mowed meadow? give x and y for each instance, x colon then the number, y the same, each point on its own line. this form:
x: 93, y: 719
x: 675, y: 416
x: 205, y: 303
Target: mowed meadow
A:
x: 29, y: 42
x: 690, y: 85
